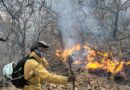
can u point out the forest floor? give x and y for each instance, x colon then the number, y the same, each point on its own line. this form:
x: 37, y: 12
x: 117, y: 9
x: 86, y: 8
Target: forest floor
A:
x: 86, y: 81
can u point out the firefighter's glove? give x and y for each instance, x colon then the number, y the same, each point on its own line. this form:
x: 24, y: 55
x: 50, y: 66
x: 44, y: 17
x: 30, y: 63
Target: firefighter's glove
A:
x: 71, y: 78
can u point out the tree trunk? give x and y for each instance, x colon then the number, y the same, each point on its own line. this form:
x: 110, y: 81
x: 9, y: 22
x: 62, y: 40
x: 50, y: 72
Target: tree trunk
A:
x: 116, y: 25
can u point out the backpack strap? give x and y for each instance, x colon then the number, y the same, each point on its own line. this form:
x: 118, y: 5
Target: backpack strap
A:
x: 32, y: 57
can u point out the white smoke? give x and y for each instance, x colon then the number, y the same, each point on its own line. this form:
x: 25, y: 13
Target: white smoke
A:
x: 74, y: 16
x: 91, y: 23
x: 68, y: 21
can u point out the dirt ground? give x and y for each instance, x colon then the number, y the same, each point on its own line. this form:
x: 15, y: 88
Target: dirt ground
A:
x: 87, y: 81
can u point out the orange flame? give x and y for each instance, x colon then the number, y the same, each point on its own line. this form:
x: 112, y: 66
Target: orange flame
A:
x: 104, y: 63
x: 77, y: 62
x: 64, y: 54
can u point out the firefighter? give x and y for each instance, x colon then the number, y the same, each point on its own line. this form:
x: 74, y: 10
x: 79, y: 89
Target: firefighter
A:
x: 35, y: 69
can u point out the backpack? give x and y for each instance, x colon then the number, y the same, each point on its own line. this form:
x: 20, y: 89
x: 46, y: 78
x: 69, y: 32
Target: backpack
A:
x: 18, y: 73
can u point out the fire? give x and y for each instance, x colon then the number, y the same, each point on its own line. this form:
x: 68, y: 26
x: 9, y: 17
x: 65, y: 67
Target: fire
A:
x: 77, y: 62
x: 92, y: 63
x: 64, y: 54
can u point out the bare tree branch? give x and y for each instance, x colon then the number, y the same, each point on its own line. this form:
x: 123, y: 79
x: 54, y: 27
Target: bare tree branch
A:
x: 126, y: 37
x: 125, y: 5
x: 9, y: 11
x: 105, y: 8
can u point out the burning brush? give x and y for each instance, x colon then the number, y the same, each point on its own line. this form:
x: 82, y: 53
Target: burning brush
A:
x: 114, y: 68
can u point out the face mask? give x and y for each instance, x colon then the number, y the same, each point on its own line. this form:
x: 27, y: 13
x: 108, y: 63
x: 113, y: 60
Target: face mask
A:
x: 39, y: 53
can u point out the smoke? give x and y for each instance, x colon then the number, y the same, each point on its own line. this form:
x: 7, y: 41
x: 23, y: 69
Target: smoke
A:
x: 75, y: 17
x: 91, y: 23
x: 67, y: 19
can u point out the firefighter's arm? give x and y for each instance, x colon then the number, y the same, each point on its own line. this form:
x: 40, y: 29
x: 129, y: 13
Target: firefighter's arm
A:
x: 41, y: 72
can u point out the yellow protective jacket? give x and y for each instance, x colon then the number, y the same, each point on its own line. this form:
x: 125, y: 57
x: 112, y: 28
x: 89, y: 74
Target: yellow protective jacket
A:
x: 35, y: 72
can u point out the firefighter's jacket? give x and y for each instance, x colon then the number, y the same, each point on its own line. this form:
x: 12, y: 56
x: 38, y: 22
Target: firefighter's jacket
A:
x: 35, y: 72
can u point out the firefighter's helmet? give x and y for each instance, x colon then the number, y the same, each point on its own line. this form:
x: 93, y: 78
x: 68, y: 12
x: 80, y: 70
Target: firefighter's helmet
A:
x: 39, y: 44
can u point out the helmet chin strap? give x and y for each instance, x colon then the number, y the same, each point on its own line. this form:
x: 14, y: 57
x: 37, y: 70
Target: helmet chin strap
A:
x: 39, y: 53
